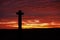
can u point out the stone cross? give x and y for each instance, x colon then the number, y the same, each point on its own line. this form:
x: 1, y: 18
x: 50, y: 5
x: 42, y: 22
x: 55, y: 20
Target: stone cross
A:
x: 20, y: 13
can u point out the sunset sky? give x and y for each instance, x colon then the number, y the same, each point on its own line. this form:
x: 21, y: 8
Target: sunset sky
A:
x: 39, y: 12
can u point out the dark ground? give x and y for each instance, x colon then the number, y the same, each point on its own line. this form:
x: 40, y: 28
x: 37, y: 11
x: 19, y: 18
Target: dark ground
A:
x: 8, y: 34
x: 41, y: 34
x: 29, y: 34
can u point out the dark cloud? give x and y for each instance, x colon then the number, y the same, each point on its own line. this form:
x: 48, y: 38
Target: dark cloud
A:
x: 8, y: 8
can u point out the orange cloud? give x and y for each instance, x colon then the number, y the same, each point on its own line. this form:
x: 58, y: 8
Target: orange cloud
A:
x: 9, y: 25
x: 29, y: 24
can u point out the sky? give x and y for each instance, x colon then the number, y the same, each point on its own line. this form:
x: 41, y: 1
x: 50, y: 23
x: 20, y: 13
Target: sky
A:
x: 45, y: 9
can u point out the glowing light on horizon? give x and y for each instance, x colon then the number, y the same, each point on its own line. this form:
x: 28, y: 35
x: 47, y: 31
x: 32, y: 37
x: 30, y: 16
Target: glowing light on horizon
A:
x: 37, y: 24
x: 28, y: 24
x: 10, y: 24
x: 14, y: 25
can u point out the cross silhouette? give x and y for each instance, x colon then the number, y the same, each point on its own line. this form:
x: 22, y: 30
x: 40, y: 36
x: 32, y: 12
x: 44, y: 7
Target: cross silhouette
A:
x: 19, y: 13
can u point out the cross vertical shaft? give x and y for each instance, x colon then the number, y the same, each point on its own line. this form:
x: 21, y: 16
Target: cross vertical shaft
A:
x: 19, y: 13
